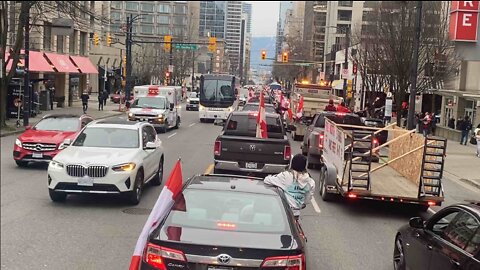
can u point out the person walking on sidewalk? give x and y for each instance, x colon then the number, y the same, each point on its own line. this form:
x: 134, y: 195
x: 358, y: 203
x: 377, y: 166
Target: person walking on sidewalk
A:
x: 105, y: 97
x: 477, y: 136
x: 100, y: 101
x: 465, y: 127
x: 52, y: 97
x: 85, y: 98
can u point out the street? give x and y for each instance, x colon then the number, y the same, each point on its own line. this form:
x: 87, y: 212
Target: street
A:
x: 100, y: 232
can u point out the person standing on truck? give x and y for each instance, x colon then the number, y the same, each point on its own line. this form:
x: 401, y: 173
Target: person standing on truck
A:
x: 296, y: 183
x: 330, y: 107
x: 342, y: 108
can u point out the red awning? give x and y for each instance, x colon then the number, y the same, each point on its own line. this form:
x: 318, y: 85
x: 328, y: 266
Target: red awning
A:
x: 38, y: 63
x: 84, y: 64
x: 62, y: 63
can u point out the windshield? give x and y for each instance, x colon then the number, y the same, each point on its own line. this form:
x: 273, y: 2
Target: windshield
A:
x: 246, y: 125
x: 339, y: 119
x: 275, y: 87
x: 248, y: 212
x: 217, y: 93
x: 59, y: 124
x: 150, y: 103
x: 192, y: 95
x: 108, y: 138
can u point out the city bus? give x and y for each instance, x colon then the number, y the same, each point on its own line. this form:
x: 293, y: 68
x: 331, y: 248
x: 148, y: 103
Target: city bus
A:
x: 218, y: 96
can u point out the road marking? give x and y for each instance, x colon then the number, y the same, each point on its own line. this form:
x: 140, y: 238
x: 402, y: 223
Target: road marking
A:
x: 172, y: 135
x: 209, y: 169
x: 431, y: 211
x: 315, y: 205
x: 191, y: 125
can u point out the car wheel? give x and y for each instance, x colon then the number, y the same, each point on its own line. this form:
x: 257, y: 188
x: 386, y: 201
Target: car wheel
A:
x: 22, y: 164
x: 398, y: 255
x: 57, y: 196
x: 323, y: 186
x: 135, y: 195
x: 157, y: 180
x: 177, y: 125
x: 163, y: 129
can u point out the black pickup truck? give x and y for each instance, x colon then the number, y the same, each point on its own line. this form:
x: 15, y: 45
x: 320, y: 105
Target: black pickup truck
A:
x: 238, y: 151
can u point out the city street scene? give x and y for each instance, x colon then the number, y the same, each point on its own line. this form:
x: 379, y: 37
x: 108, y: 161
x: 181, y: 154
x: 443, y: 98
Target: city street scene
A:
x: 240, y: 135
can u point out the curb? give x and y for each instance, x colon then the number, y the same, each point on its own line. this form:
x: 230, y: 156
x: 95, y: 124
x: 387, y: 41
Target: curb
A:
x: 470, y: 182
x: 9, y: 133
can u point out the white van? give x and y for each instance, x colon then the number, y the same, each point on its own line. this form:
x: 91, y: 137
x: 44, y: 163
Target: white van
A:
x: 158, y: 105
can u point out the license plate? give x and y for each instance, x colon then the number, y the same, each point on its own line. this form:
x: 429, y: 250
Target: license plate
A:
x: 85, y: 181
x: 219, y: 268
x: 251, y: 165
x: 37, y: 155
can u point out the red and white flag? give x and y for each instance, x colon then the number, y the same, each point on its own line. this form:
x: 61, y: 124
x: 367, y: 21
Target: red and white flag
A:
x: 261, y: 119
x: 164, y: 203
x: 299, y: 113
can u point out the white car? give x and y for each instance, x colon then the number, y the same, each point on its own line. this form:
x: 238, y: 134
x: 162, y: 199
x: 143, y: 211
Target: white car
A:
x: 193, y: 101
x: 108, y: 157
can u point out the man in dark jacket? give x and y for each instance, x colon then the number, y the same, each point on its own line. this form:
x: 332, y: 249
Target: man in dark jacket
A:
x: 330, y: 107
x: 105, y: 97
x: 85, y: 98
x: 465, y: 128
x: 100, y: 101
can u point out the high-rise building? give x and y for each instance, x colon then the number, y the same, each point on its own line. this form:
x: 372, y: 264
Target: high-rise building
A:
x: 233, y: 33
x: 247, y: 9
x: 285, y: 6
x: 212, y: 19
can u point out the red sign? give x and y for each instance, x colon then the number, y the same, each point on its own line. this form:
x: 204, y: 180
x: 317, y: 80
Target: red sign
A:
x: 153, y: 90
x: 464, y: 21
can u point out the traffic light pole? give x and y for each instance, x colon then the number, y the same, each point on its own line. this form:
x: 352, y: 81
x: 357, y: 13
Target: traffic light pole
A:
x: 128, y: 54
x: 345, y: 80
x: 27, y: 90
x: 171, y: 65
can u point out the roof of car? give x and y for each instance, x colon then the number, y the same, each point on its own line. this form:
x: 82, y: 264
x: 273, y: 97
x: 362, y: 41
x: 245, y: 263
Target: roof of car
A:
x: 62, y: 115
x: 334, y: 113
x: 473, y: 205
x: 249, y: 112
x: 117, y: 123
x: 231, y: 183
x: 257, y: 104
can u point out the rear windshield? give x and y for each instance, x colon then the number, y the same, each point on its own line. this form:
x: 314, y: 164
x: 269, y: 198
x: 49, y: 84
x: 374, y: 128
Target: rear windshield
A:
x: 339, y: 119
x: 244, y: 212
x: 373, y: 123
x: 246, y: 125
x: 254, y: 107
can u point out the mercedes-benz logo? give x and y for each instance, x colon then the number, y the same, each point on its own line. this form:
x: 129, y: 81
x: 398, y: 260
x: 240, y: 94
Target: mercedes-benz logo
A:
x: 252, y: 147
x: 38, y: 147
x: 224, y: 258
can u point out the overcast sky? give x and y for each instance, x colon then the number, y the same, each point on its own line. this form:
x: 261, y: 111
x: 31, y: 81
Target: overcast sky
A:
x: 264, y: 18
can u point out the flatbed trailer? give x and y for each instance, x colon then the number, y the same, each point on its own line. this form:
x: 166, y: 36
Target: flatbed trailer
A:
x: 411, y: 174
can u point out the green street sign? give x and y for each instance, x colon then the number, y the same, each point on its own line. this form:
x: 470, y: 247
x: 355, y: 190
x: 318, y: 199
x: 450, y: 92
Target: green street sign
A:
x: 303, y: 64
x: 185, y: 46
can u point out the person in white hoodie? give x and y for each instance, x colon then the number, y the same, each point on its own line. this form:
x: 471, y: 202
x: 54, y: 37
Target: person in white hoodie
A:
x: 296, y: 183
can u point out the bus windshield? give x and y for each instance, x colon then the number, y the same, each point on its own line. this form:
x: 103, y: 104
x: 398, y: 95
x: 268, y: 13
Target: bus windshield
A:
x: 217, y: 93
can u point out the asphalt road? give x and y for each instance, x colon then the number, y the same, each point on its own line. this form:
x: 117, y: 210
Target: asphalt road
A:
x: 97, y: 232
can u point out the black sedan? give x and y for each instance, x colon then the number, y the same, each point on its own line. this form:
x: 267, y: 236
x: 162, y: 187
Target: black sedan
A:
x: 382, y: 136
x: 450, y: 239
x: 226, y: 222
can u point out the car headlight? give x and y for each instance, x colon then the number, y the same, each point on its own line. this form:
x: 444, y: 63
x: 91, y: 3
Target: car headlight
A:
x: 56, y: 165
x: 230, y: 109
x: 188, y: 100
x: 201, y: 108
x: 125, y: 167
x: 130, y: 114
x: 160, y: 116
x: 18, y: 143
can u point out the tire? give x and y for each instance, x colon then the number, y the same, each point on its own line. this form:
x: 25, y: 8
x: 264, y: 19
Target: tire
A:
x: 157, y: 180
x: 135, y: 195
x: 57, y: 196
x: 202, y: 120
x: 177, y: 125
x: 163, y: 129
x: 323, y: 187
x: 21, y: 164
x: 398, y: 254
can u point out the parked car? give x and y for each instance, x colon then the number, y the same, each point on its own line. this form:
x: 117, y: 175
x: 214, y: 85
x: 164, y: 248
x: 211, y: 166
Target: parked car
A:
x: 108, y: 157
x: 213, y: 221
x: 450, y: 239
x: 115, y: 98
x: 43, y: 141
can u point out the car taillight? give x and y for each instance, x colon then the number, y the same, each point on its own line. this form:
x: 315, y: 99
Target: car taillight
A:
x: 320, y: 140
x: 375, y: 142
x: 156, y: 255
x: 287, y: 152
x: 226, y: 225
x: 218, y: 148
x: 288, y: 262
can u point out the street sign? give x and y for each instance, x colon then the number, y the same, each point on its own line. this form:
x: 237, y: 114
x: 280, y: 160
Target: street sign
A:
x: 389, y: 94
x: 185, y: 46
x: 279, y: 58
x: 170, y: 68
x: 388, y: 108
x: 344, y: 73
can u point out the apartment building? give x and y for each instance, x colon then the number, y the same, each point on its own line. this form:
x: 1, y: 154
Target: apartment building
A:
x: 233, y: 32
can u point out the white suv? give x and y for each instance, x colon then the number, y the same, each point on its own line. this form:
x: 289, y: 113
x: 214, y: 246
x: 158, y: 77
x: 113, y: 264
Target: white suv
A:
x: 108, y: 157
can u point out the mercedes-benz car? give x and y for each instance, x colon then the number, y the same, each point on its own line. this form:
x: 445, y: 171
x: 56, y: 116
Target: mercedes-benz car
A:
x: 222, y: 222
x: 108, y: 157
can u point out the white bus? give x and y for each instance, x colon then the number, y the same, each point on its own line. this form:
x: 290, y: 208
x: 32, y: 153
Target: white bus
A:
x: 218, y: 96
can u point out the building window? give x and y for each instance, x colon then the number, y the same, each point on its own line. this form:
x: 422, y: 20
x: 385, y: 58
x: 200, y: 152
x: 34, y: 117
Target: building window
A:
x: 83, y: 43
x: 163, y: 19
x: 131, y: 6
x: 344, y: 15
x: 73, y: 42
x: 47, y: 36
x: 180, y: 9
x: 178, y: 32
x: 116, y: 16
x: 147, y: 29
x: 179, y: 20
x: 60, y: 43
x: 345, y: 3
x: 147, y: 18
x: 117, y: 4
x: 163, y: 30
x: 164, y: 8
x: 148, y: 7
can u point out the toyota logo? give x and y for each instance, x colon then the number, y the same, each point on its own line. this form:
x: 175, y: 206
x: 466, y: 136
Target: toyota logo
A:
x: 224, y: 258
x: 252, y: 147
x: 38, y: 147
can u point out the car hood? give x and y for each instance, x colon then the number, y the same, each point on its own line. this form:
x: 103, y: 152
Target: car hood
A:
x: 147, y: 111
x: 194, y: 99
x: 95, y: 155
x: 46, y: 136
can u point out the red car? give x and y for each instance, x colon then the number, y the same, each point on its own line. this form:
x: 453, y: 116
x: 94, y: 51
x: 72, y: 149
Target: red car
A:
x: 115, y: 98
x: 43, y: 141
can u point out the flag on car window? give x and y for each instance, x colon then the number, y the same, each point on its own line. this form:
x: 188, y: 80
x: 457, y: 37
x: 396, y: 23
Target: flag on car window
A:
x: 299, y: 113
x: 164, y: 203
x: 261, y: 119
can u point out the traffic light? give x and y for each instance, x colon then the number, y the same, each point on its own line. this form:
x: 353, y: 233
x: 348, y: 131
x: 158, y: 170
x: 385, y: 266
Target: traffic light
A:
x: 109, y: 40
x: 168, y: 45
x: 285, y: 57
x: 264, y: 55
x: 124, y: 60
x: 212, y: 44
x: 355, y: 69
x: 167, y: 74
x: 96, y: 39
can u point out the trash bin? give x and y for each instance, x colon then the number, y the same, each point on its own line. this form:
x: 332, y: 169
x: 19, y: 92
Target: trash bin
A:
x: 45, y: 100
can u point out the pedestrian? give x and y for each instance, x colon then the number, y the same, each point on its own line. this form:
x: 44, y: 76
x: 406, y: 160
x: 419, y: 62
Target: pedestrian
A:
x: 426, y: 121
x: 296, y: 183
x: 100, y: 101
x: 105, y: 97
x: 477, y: 136
x: 85, y: 97
x: 342, y: 108
x: 330, y: 107
x: 451, y: 123
x: 465, y: 128
x: 52, y: 97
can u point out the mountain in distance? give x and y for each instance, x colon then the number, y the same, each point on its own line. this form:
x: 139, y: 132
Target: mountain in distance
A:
x: 259, y: 44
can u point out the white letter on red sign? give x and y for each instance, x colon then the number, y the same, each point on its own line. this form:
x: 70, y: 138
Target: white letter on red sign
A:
x: 470, y: 3
x: 466, y: 19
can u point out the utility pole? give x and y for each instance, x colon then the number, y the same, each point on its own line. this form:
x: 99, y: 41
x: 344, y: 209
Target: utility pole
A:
x: 128, y: 54
x: 345, y: 65
x: 413, y: 75
x: 27, y: 91
x: 171, y: 65
x: 193, y: 70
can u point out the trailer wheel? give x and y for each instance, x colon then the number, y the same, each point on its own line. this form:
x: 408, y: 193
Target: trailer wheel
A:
x: 323, y: 186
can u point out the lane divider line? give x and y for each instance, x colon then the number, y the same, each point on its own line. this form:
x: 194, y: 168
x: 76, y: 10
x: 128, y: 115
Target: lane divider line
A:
x: 209, y: 169
x: 315, y: 205
x: 172, y: 135
x: 431, y: 210
x: 192, y: 124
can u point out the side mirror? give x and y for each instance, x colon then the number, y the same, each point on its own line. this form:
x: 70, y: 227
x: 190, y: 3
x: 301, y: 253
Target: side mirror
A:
x: 172, y: 106
x: 416, y: 222
x: 150, y: 146
x: 28, y: 127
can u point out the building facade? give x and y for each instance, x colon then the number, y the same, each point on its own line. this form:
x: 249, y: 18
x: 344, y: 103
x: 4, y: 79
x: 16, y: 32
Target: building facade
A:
x: 233, y: 31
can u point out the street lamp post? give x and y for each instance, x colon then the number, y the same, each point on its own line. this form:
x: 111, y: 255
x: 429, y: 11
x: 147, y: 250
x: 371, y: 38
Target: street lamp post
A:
x: 413, y: 76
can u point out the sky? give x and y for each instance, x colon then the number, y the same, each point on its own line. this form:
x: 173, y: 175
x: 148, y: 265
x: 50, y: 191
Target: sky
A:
x: 264, y: 18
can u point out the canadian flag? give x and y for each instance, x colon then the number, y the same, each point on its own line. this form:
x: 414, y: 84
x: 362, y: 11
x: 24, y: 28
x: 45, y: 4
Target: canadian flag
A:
x: 261, y: 119
x: 299, y: 113
x: 164, y: 203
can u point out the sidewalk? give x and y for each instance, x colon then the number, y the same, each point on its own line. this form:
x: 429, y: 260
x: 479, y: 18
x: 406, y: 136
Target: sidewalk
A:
x: 111, y: 109
x: 462, y: 164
